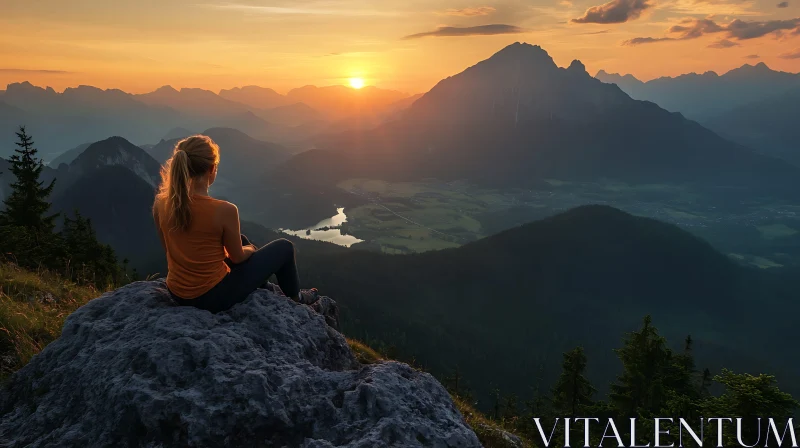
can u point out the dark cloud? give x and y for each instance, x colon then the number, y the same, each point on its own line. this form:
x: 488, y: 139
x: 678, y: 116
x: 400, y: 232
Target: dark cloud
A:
x: 645, y: 40
x: 724, y: 43
x: 482, y: 30
x: 695, y: 28
x: 750, y: 30
x: 783, y: 5
x: 794, y: 54
x: 736, y: 29
x: 752, y: 56
x: 23, y: 70
x: 615, y: 11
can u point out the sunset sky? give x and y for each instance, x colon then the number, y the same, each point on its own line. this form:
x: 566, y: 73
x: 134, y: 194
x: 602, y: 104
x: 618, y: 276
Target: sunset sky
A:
x: 407, y: 45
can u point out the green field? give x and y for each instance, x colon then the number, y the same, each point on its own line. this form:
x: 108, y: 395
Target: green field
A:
x: 774, y: 231
x: 408, y: 217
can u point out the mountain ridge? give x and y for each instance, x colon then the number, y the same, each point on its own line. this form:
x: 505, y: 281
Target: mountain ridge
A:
x: 517, y: 116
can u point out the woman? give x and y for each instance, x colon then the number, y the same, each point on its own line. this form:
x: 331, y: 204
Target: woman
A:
x: 210, y: 264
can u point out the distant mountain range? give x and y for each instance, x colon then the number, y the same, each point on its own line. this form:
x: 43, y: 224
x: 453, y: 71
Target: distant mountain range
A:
x: 752, y: 105
x: 243, y: 159
x: 517, y: 117
x: 706, y: 95
x: 60, y: 121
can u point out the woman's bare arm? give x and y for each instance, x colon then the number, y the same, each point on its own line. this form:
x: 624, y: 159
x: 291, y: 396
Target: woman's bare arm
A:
x: 232, y: 235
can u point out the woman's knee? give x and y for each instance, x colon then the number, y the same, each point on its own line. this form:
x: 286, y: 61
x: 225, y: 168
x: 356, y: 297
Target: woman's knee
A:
x: 284, y: 245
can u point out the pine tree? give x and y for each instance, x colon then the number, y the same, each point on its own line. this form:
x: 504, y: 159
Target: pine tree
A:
x: 680, y: 375
x: 573, y: 391
x: 27, y: 205
x: 705, y: 383
x: 641, y: 386
x: 749, y: 397
x: 88, y: 259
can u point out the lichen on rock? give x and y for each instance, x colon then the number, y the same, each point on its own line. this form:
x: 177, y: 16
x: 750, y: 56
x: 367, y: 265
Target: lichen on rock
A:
x: 133, y: 369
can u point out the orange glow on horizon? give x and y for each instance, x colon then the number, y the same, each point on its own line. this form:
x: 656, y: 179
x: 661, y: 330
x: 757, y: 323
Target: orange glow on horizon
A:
x: 139, y: 47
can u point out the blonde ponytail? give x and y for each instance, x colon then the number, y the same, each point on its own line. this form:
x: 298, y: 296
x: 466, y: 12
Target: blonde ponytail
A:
x: 192, y: 158
x: 179, y: 186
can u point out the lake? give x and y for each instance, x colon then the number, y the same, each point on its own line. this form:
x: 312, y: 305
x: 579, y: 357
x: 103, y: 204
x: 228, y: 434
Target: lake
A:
x: 331, y: 235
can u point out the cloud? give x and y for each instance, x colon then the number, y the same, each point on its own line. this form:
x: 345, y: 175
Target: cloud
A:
x: 794, y: 54
x: 281, y: 10
x: 470, y: 12
x: 24, y: 70
x: 724, y: 43
x: 615, y: 11
x: 483, y: 30
x: 736, y: 29
x: 752, y: 56
x: 783, y: 5
x: 707, y: 8
x: 644, y: 40
x: 593, y: 32
x: 750, y: 30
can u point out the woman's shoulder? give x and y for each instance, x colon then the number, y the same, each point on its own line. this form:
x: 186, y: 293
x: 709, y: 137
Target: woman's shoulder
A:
x: 223, y: 205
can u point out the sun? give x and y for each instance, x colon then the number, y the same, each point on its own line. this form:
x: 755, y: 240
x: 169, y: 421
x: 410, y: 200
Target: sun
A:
x: 356, y: 83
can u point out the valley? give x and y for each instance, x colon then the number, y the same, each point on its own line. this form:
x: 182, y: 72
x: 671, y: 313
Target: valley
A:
x: 412, y: 217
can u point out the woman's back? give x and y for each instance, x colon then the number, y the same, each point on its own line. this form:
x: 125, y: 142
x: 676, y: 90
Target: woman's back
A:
x: 196, y: 256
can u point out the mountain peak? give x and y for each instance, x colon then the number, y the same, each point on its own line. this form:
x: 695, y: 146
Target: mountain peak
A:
x: 747, y: 69
x: 577, y: 66
x: 526, y: 52
x: 165, y: 89
x: 117, y: 151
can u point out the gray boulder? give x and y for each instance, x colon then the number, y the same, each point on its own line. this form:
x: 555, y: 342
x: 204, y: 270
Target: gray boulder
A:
x: 133, y: 369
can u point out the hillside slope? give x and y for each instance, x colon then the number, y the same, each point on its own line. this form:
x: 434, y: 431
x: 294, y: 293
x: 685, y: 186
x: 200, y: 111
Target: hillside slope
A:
x: 505, y: 305
x: 118, y: 202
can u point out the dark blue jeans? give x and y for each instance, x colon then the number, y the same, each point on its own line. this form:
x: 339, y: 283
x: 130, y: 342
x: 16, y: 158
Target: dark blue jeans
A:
x: 277, y: 258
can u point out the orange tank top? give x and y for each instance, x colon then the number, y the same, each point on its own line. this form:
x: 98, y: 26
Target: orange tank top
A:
x: 195, y: 257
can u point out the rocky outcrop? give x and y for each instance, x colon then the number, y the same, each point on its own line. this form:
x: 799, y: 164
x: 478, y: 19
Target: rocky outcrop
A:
x: 133, y: 369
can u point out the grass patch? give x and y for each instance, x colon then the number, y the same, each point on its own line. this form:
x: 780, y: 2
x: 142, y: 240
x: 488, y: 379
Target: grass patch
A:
x: 33, y: 306
x: 765, y: 263
x: 775, y: 231
x: 489, y: 432
x: 678, y: 214
x: 557, y: 183
x: 364, y: 354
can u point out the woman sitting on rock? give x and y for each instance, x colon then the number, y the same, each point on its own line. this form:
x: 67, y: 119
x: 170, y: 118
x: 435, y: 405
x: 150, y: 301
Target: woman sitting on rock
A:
x: 210, y: 264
